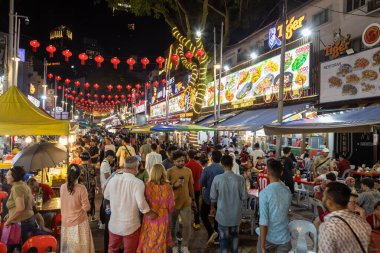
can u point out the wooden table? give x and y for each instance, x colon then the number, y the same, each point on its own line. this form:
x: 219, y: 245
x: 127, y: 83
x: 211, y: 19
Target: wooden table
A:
x: 51, y: 205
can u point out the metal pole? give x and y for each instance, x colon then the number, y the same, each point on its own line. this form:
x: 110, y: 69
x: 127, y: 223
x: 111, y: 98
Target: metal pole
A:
x: 17, y: 47
x: 14, y: 46
x: 10, y: 46
x: 215, y: 114
x: 281, y: 85
x: 221, y: 66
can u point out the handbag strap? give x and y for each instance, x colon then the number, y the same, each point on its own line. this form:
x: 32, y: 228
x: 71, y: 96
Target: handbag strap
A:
x: 357, y: 238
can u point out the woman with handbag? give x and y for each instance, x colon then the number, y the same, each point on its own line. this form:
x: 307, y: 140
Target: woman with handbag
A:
x: 76, y: 235
x: 20, y: 206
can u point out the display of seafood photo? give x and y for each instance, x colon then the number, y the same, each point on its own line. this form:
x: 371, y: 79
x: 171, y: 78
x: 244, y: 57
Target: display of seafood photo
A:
x: 361, y: 63
x: 352, y: 79
x: 349, y: 89
x: 366, y: 87
x: 344, y: 70
x: 369, y: 75
x: 335, y: 82
x: 263, y: 84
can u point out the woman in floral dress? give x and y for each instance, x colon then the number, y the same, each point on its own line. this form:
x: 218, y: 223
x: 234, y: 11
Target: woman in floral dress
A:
x: 155, y: 234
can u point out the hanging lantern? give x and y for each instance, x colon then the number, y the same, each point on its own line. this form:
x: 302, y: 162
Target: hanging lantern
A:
x: 88, y: 95
x: 109, y: 87
x: 51, y: 49
x: 163, y: 81
x: 109, y: 97
x: 103, y: 96
x: 67, y: 81
x: 138, y: 86
x: 96, y: 86
x: 82, y: 100
x: 155, y: 83
x: 189, y: 55
x: 144, y: 61
x: 83, y: 58
x: 66, y: 95
x: 58, y: 78
x: 123, y: 101
x: 76, y: 99
x: 86, y: 85
x: 131, y: 62
x: 77, y: 84
x: 159, y: 61
x: 147, y: 85
x: 50, y: 75
x: 115, y: 61
x: 200, y: 53
x: 66, y: 90
x: 116, y: 97
x: 59, y: 87
x: 175, y: 59
x: 142, y: 93
x: 119, y: 87
x: 129, y: 87
x: 96, y: 96
x: 129, y: 96
x: 73, y: 92
x: 67, y: 53
x: 99, y: 59
x: 34, y: 44
x: 81, y: 93
x: 122, y: 96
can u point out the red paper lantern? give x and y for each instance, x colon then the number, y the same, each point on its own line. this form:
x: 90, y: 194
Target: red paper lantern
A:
x: 67, y: 81
x: 109, y: 87
x: 119, y: 87
x: 122, y: 96
x: 86, y: 85
x: 66, y: 90
x: 155, y: 83
x: 129, y: 96
x: 116, y: 97
x: 109, y: 97
x: 59, y: 87
x: 58, y: 78
x: 147, y: 85
x: 96, y: 86
x: 34, y: 44
x: 88, y: 95
x: 99, y: 59
x: 83, y: 58
x: 159, y: 61
x: 76, y: 99
x: 115, y: 61
x: 144, y: 61
x: 123, y: 101
x: 51, y: 49
x: 200, y: 53
x: 67, y: 53
x: 138, y: 86
x: 131, y: 62
x: 142, y: 93
x: 102, y: 96
x: 73, y: 92
x: 189, y: 55
x: 50, y: 75
x: 77, y: 84
x: 163, y: 81
x: 81, y: 93
x: 129, y: 100
x: 66, y: 95
x: 129, y: 87
x: 175, y: 59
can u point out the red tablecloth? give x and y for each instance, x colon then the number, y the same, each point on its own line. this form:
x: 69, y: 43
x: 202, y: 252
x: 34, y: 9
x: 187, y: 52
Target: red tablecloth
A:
x: 366, y: 174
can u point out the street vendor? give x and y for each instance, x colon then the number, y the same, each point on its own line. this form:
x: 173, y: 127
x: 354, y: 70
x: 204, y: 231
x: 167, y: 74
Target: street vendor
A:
x: 323, y: 163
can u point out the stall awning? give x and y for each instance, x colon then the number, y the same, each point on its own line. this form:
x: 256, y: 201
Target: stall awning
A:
x: 18, y: 116
x: 354, y: 120
x: 210, y: 120
x: 254, y: 120
x: 144, y: 129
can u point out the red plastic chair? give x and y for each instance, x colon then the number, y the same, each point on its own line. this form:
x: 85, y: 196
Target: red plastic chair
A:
x: 41, y: 243
x: 56, y: 225
x: 3, y: 248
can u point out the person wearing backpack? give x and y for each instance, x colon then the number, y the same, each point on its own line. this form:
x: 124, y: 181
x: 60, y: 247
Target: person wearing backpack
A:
x: 124, y: 151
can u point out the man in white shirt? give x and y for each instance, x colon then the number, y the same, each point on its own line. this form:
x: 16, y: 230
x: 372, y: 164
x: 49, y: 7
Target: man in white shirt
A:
x: 124, y: 151
x: 126, y: 195
x: 152, y: 158
x: 257, y: 152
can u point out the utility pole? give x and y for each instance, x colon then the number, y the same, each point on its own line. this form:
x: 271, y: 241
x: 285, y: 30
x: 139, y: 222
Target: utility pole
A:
x: 10, y: 46
x: 281, y: 85
x: 220, y: 69
x: 214, y: 67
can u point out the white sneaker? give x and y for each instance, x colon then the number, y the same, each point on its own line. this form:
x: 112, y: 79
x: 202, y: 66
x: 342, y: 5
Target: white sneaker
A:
x: 185, y: 250
x: 102, y: 226
x: 212, y: 238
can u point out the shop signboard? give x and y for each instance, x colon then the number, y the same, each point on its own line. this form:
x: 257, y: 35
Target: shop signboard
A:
x: 177, y: 104
x: 140, y: 108
x: 351, y: 77
x: 275, y: 33
x: 158, y: 110
x: 244, y: 87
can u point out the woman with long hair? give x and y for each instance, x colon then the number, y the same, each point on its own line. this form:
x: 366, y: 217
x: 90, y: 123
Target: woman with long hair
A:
x: 76, y: 235
x: 155, y: 234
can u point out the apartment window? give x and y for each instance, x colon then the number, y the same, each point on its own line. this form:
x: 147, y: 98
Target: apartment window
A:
x: 354, y: 4
x: 321, y: 18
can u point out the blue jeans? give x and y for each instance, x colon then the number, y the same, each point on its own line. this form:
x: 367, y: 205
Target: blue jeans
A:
x: 228, y: 238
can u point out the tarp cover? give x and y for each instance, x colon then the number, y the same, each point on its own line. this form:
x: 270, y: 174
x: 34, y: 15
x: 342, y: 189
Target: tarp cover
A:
x: 350, y: 121
x: 18, y: 116
x: 254, y: 120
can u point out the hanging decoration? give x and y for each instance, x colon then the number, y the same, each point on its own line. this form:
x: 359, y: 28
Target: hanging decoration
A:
x: 109, y: 97
x: 189, y: 55
x: 200, y: 52
x: 58, y: 78
x: 67, y: 81
x: 102, y: 96
x: 159, y: 61
x: 128, y: 87
x: 73, y: 92
x: 66, y: 90
x: 131, y: 62
x: 144, y: 61
x: 119, y: 87
x: 34, y: 44
x: 99, y: 60
x: 142, y: 93
x: 138, y: 86
x: 50, y: 75
x: 67, y: 53
x: 96, y: 86
x: 156, y: 83
x: 147, y: 85
x: 175, y: 59
x: 115, y: 61
x: 51, y: 49
x: 88, y: 95
x: 77, y: 84
x: 109, y: 87
x: 59, y: 87
x: 81, y: 94
x: 86, y: 85
x: 83, y: 58
x: 163, y: 81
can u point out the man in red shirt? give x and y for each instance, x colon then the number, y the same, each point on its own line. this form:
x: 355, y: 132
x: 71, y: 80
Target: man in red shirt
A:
x: 47, y: 191
x: 196, y: 169
x: 343, y: 164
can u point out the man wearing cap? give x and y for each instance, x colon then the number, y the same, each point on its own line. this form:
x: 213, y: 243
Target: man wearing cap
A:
x: 322, y: 162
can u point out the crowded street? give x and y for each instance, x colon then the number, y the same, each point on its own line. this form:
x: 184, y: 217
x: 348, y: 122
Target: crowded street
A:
x: 175, y: 126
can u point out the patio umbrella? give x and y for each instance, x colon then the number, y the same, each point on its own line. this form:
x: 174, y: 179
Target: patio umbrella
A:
x: 40, y: 155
